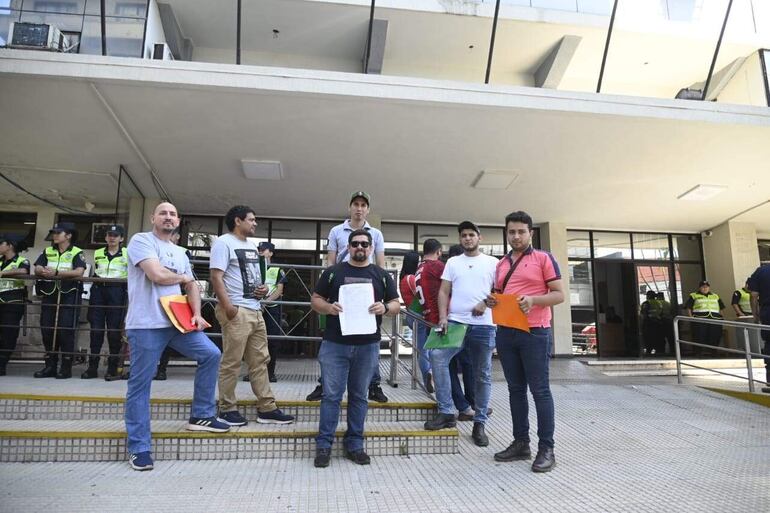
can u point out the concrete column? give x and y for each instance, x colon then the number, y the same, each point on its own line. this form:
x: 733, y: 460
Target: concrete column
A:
x: 730, y: 255
x: 553, y: 238
x: 136, y: 216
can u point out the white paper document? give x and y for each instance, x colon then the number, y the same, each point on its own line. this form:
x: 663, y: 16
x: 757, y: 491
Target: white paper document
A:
x: 355, y: 319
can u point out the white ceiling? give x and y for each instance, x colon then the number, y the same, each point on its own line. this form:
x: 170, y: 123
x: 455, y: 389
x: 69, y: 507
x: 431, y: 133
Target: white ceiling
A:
x: 585, y: 160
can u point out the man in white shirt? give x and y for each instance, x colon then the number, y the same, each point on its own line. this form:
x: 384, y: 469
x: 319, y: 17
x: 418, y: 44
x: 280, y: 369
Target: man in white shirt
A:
x: 468, y: 278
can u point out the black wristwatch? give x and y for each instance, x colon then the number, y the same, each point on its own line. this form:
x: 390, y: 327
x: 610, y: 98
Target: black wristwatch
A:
x: 386, y: 306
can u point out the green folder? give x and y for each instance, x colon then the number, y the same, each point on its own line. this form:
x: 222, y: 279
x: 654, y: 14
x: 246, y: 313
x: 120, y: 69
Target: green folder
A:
x: 454, y: 337
x: 415, y: 306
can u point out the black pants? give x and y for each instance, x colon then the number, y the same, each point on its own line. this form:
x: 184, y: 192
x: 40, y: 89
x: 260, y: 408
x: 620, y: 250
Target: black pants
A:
x: 114, y: 299
x: 272, y: 318
x: 652, y: 334
x: 61, y: 338
x: 709, y: 334
x: 10, y: 319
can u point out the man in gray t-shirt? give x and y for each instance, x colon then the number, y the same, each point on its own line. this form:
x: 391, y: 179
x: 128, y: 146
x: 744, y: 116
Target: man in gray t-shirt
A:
x: 158, y: 268
x: 238, y: 281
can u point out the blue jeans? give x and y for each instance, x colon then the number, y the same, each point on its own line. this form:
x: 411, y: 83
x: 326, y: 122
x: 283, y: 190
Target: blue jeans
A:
x: 146, y: 346
x: 480, y: 341
x: 420, y: 336
x: 524, y: 357
x: 352, y: 366
x: 462, y: 399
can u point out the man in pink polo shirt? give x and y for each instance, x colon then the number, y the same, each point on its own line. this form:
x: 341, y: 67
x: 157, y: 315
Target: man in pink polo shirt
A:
x: 534, y: 276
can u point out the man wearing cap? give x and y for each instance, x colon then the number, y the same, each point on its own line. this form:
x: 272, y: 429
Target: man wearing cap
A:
x: 759, y: 285
x: 13, y: 294
x: 337, y: 252
x: 469, y: 279
x: 275, y: 279
x: 58, y: 265
x: 704, y: 304
x: 107, y: 302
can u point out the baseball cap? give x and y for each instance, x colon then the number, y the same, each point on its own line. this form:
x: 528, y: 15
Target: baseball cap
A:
x: 16, y: 240
x: 360, y: 194
x: 704, y: 282
x: 116, y: 229
x: 266, y: 245
x: 467, y: 225
x: 62, y: 227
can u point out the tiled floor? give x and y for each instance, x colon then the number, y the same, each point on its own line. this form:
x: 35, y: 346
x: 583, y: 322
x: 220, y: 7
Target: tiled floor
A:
x: 623, y: 444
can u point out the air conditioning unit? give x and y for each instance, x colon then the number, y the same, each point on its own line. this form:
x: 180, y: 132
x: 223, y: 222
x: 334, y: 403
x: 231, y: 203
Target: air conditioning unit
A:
x: 161, y: 52
x: 37, y: 36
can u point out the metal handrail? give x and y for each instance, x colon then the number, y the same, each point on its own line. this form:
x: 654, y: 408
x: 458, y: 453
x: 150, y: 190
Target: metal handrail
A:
x: 720, y: 322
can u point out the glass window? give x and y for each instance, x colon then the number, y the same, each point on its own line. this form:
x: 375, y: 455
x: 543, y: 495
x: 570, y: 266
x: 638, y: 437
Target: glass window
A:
x: 582, y: 307
x: 493, y: 240
x: 764, y: 251
x: 58, y: 6
x: 595, y: 6
x: 6, y: 17
x: 398, y: 236
x: 445, y: 234
x: 612, y: 245
x: 653, y: 278
x: 65, y: 22
x: 326, y: 227
x: 199, y: 232
x: 91, y: 37
x: 16, y: 223
x: 651, y: 246
x: 126, y: 8
x: 578, y: 244
x: 294, y: 235
x: 124, y: 37
x: 687, y: 277
x: 686, y: 247
x: 562, y: 5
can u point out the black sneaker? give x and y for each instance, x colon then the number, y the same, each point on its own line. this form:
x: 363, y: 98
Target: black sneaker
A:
x: 211, y: 424
x: 233, y: 418
x: 322, y: 457
x: 358, y: 457
x: 479, y: 435
x: 160, y: 375
x: 376, y: 394
x: 316, y: 394
x: 544, y: 461
x: 518, y: 450
x: 441, y: 421
x: 274, y: 417
x: 90, y: 373
x: 271, y: 378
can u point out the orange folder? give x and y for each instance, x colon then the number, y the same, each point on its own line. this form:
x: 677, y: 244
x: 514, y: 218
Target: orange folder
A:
x: 179, y: 312
x: 508, y: 313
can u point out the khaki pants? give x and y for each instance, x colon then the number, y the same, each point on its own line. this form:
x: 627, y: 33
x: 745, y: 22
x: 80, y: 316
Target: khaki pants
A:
x: 244, y: 338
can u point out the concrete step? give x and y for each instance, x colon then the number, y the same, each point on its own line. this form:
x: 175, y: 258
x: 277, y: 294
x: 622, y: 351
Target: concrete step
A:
x: 105, y: 440
x: 77, y: 407
x: 665, y: 364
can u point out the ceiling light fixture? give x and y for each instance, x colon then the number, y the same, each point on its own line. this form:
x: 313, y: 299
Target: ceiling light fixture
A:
x: 701, y: 192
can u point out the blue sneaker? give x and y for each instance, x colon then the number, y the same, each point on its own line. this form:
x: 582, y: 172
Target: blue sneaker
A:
x: 274, y: 417
x: 140, y: 461
x: 211, y: 424
x: 234, y: 418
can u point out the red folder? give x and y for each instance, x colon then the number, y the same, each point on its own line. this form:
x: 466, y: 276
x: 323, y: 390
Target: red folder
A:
x: 179, y: 312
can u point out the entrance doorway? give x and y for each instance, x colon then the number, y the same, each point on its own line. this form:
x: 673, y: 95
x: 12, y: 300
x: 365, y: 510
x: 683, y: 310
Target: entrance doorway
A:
x: 617, y: 307
x: 298, y: 320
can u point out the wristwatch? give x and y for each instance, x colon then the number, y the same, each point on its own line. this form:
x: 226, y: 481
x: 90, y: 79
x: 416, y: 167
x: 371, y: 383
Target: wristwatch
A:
x: 385, y: 305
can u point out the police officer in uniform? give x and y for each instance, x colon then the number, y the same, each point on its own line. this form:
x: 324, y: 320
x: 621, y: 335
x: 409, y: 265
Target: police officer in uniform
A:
x: 275, y: 279
x: 56, y: 267
x: 705, y: 304
x: 108, y: 302
x: 741, y: 302
x: 13, y: 294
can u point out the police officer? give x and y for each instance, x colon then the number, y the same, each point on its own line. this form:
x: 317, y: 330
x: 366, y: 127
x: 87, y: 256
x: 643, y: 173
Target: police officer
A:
x: 705, y: 304
x: 275, y: 279
x: 108, y: 302
x: 57, y: 266
x: 650, y: 312
x: 741, y: 301
x: 667, y: 323
x: 13, y: 294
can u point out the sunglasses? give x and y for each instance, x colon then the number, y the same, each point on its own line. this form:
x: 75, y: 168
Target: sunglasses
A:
x: 360, y: 244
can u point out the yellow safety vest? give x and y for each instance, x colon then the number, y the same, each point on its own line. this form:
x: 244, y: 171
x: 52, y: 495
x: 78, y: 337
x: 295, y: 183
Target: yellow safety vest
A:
x: 115, y: 268
x: 705, y: 306
x: 59, y: 262
x: 745, y: 303
x: 8, y: 284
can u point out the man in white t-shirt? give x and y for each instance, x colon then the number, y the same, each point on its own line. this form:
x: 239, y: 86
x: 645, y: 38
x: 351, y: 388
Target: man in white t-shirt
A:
x: 468, y: 279
x: 238, y: 283
x: 159, y: 268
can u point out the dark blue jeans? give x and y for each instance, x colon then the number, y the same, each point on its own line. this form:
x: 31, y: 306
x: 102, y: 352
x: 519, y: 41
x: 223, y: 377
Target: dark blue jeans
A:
x: 344, y: 366
x: 524, y: 357
x: 462, y: 394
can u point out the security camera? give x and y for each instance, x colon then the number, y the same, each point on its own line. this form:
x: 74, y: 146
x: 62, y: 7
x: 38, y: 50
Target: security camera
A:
x: 708, y: 233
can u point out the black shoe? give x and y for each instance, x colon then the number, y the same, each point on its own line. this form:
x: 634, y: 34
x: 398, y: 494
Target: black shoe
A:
x: 90, y: 373
x: 65, y: 371
x: 441, y: 421
x: 316, y: 395
x: 766, y: 390
x: 429, y: 383
x: 544, y: 461
x: 272, y: 378
x: 49, y: 371
x: 246, y: 378
x: 518, y: 450
x: 3, y: 365
x: 322, y: 457
x: 160, y: 375
x: 112, y: 370
x: 358, y: 457
x: 480, y: 438
x: 376, y: 394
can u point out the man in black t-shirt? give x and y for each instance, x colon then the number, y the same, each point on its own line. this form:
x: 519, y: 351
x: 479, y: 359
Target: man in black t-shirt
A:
x: 349, y: 360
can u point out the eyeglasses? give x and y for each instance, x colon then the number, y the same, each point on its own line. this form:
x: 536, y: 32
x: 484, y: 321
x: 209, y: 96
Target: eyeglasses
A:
x: 360, y: 243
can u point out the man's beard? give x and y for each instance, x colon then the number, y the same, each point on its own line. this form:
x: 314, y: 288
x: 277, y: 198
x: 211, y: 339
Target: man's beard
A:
x: 359, y: 256
x: 471, y: 249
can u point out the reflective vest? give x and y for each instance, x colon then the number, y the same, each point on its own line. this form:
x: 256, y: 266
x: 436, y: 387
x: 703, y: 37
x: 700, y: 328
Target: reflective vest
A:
x: 745, y: 303
x: 115, y: 268
x: 8, y: 284
x: 656, y: 309
x: 271, y: 279
x: 705, y: 306
x: 59, y: 262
